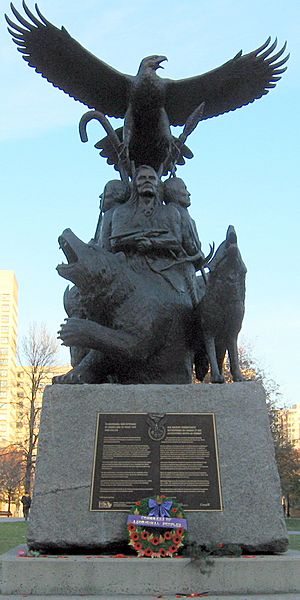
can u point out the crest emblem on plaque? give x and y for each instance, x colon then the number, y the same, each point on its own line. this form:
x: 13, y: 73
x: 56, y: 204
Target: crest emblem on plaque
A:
x: 157, y: 430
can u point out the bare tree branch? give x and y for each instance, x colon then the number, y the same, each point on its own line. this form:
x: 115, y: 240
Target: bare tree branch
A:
x: 38, y: 349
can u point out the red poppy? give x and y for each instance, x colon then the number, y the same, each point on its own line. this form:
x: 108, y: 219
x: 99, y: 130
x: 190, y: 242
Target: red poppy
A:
x: 162, y: 552
x: 176, y: 539
x: 131, y: 527
x: 134, y: 537
x: 174, y: 509
x: 173, y: 549
x: 180, y: 531
x: 138, y: 546
x: 148, y: 552
x: 155, y: 541
x: 144, y: 535
x: 138, y: 503
x: 168, y: 535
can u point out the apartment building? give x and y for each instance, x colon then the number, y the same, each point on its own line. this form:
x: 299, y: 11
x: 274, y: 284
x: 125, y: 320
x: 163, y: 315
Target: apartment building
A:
x: 8, y: 348
x: 15, y: 379
x: 289, y: 419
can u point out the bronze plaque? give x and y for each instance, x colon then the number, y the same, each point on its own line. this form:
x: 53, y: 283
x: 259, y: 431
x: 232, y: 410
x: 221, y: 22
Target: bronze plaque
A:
x: 139, y: 455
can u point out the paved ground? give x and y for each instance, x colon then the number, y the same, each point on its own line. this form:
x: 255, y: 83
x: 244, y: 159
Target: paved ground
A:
x: 10, y: 520
x: 125, y: 597
x: 243, y: 597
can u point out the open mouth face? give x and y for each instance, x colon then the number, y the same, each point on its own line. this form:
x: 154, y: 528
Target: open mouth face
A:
x: 68, y: 241
x: 68, y: 251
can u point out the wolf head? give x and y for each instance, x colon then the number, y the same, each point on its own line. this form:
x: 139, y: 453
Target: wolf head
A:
x: 227, y: 262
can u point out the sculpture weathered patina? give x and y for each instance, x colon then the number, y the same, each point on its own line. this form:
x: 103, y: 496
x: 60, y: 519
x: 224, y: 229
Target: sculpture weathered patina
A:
x: 138, y: 298
x: 147, y: 103
x: 137, y: 312
x: 220, y: 312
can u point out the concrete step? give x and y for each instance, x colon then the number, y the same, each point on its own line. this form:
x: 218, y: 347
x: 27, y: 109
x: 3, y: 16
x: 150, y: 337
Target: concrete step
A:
x: 109, y: 577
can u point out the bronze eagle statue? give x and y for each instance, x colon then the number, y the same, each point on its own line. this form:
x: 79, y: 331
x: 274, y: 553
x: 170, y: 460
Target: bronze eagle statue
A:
x: 149, y: 104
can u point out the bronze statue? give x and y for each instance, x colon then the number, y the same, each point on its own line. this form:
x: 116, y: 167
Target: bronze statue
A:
x: 220, y: 312
x: 139, y: 297
x: 115, y: 192
x: 176, y: 192
x: 147, y: 103
x: 138, y: 313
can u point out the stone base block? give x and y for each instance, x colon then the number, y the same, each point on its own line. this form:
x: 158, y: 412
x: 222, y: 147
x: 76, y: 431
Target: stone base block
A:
x: 107, y: 577
x: 252, y: 515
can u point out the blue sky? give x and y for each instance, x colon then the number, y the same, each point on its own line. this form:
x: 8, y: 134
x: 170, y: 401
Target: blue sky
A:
x: 245, y: 171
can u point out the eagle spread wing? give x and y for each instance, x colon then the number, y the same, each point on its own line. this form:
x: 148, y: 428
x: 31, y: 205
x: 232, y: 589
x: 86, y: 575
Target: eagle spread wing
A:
x: 67, y: 65
x: 238, y: 82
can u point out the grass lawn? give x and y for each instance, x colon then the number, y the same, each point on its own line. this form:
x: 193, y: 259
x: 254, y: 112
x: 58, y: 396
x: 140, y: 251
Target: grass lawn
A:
x: 294, y: 542
x: 293, y: 523
x: 14, y: 534
x: 11, y: 535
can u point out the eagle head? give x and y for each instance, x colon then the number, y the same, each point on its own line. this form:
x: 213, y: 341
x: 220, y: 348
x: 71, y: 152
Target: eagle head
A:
x: 151, y: 63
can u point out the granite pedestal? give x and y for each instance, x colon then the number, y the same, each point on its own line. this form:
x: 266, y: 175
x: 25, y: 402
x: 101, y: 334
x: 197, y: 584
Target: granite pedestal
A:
x: 60, y: 516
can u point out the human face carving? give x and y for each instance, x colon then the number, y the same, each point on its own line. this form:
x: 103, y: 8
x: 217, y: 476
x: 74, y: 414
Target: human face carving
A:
x: 147, y: 182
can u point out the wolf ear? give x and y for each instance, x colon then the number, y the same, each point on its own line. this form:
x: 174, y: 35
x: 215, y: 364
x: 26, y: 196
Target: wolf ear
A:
x: 231, y: 237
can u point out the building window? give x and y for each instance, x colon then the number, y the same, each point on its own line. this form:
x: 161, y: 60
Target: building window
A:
x: 3, y: 394
x: 3, y: 373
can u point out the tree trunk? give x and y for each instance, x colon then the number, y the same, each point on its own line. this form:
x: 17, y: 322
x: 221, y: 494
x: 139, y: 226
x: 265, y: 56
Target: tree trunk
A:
x: 28, y: 470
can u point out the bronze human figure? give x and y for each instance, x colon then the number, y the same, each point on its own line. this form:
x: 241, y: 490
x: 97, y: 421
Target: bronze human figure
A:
x: 139, y: 296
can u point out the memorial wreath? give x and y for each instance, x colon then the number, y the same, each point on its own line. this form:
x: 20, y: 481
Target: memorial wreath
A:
x: 157, y: 527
